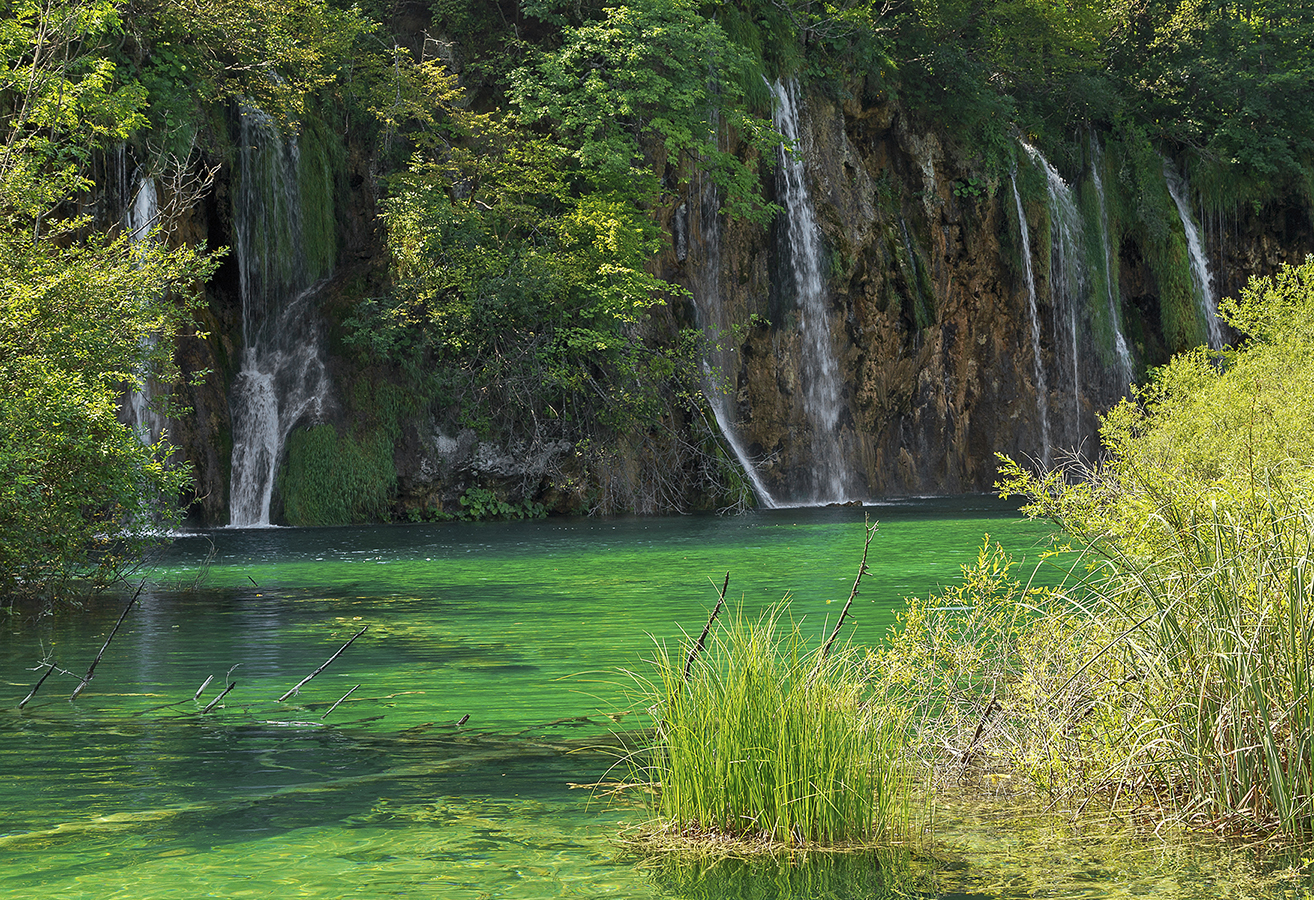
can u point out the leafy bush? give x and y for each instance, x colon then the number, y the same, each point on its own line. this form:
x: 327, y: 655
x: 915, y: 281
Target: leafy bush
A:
x: 80, y: 495
x: 1178, y: 669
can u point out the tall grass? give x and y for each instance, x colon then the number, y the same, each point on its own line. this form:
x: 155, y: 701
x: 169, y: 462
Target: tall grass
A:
x: 771, y: 742
x: 1179, y: 681
x: 1220, y: 670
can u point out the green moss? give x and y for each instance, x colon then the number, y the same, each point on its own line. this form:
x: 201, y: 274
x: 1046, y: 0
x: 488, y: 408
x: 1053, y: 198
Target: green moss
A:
x: 1179, y: 311
x: 332, y: 479
x: 320, y: 161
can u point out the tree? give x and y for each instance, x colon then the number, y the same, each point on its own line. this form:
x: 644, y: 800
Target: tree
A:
x: 81, y: 314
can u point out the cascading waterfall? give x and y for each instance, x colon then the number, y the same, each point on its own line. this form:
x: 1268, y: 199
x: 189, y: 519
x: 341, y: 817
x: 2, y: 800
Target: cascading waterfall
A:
x: 1042, y: 389
x: 1200, y: 275
x: 720, y: 362
x: 1067, y: 280
x: 821, y: 379
x: 282, y: 380
x: 1126, y: 368
x: 139, y: 409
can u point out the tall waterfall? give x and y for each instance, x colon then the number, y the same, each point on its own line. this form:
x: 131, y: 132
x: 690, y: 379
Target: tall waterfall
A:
x: 1042, y: 389
x: 140, y: 412
x: 702, y: 229
x: 820, y: 370
x: 1200, y: 275
x: 282, y: 380
x: 1126, y: 369
x: 1068, y: 284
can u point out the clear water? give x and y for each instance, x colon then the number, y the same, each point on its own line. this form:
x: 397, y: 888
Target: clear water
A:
x: 133, y: 791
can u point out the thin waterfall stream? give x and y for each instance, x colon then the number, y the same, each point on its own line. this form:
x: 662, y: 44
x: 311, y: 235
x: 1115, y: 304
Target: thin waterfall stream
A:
x: 1126, y: 368
x: 820, y: 370
x: 720, y: 359
x: 283, y: 379
x: 1042, y: 389
x: 1067, y: 282
x: 1200, y: 275
x: 139, y: 408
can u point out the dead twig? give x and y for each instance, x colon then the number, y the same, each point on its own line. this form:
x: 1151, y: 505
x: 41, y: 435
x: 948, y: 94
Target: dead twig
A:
x: 91, y: 671
x: 702, y: 638
x: 299, y: 684
x: 862, y: 570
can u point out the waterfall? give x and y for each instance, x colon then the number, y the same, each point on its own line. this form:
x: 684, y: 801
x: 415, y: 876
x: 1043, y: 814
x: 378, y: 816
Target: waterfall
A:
x: 1067, y: 277
x: 820, y: 370
x: 1042, y: 389
x: 139, y: 409
x: 720, y: 360
x: 1127, y: 371
x: 282, y: 380
x: 1200, y: 275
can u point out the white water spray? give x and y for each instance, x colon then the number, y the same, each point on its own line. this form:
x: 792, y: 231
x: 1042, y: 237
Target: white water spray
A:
x: 820, y: 370
x: 1200, y: 275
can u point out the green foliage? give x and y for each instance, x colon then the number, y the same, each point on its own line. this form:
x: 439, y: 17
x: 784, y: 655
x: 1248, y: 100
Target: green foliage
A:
x: 1209, y: 430
x: 79, y: 493
x: 1228, y: 80
x: 276, y: 55
x: 639, y: 80
x: 1178, y: 668
x: 980, y: 667
x: 521, y: 292
x: 769, y: 742
x: 81, y: 316
x: 479, y: 504
x: 60, y: 100
x: 332, y: 479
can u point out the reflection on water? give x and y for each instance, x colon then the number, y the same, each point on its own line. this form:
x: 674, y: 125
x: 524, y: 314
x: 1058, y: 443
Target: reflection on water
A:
x: 134, y: 790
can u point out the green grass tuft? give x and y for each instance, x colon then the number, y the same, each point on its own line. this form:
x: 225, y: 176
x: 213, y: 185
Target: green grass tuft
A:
x: 771, y: 745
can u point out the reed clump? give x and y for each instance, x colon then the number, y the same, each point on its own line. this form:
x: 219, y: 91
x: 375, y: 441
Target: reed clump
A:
x: 1181, y: 686
x: 769, y: 744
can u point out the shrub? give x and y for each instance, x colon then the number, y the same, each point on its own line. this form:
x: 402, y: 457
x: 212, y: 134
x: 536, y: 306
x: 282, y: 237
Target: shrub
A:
x: 1178, y: 668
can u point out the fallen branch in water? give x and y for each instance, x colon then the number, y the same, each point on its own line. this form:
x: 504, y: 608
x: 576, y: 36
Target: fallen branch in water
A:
x: 215, y: 702
x: 50, y: 667
x: 325, y: 665
x: 335, y: 705
x: 200, y: 690
x: 91, y: 671
x: 862, y: 570
x: 702, y: 638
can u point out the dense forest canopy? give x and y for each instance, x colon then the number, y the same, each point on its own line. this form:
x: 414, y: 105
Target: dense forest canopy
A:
x: 522, y: 154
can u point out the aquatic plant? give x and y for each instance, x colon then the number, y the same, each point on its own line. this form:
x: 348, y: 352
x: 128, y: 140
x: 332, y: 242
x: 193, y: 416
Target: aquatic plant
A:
x: 768, y: 743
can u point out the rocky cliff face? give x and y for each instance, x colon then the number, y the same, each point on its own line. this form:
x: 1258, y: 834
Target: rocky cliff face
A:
x: 926, y: 307
x: 928, y: 312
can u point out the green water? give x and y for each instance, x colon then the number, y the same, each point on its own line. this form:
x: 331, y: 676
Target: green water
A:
x: 134, y: 791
